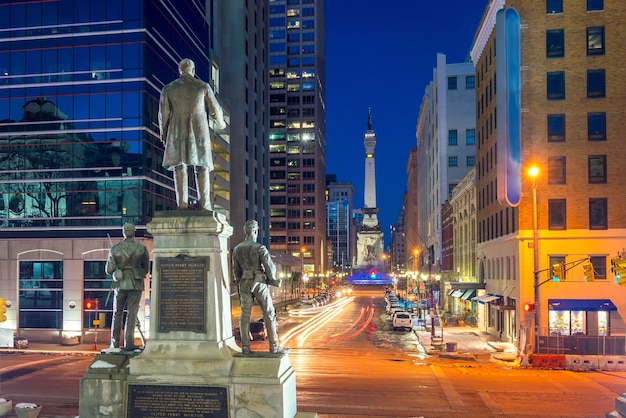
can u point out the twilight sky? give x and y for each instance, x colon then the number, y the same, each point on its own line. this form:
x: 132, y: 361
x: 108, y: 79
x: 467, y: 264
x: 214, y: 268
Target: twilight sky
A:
x: 381, y: 56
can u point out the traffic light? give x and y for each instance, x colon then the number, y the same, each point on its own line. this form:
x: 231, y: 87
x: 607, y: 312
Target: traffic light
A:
x: 557, y: 272
x: 89, y: 305
x: 529, y: 307
x: 618, y: 267
x: 3, y: 309
x: 589, y: 273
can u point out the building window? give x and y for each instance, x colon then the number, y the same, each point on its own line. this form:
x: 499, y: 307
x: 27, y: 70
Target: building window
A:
x: 556, y: 85
x: 471, y: 161
x: 596, y: 126
x: 470, y: 82
x: 597, y: 169
x: 97, y: 284
x: 557, y: 214
x: 554, y: 6
x: 453, y: 161
x: 555, y: 43
x: 596, y: 81
x: 470, y: 137
x: 598, y: 213
x: 595, y: 40
x: 556, y: 128
x: 599, y: 266
x: 595, y: 5
x: 41, y: 294
x: 452, y: 83
x: 452, y: 137
x: 556, y: 170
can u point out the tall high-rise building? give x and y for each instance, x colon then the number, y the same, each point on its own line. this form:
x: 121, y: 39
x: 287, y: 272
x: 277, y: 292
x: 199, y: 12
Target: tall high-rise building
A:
x: 558, y: 106
x: 297, y: 131
x: 242, y: 54
x: 446, y: 150
x: 80, y: 149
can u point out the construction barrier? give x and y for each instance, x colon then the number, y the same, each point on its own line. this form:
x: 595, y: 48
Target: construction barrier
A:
x: 549, y: 361
x: 582, y: 362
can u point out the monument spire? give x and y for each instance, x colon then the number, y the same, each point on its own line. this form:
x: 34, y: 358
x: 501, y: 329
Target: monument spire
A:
x: 370, y: 234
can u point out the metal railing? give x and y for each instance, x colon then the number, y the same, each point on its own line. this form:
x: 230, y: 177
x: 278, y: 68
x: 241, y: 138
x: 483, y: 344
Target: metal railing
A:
x: 611, y: 344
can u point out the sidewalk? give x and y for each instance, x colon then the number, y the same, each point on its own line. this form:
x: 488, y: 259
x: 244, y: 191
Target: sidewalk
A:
x: 465, y: 343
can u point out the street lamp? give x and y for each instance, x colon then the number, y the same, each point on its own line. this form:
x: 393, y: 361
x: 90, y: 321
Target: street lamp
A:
x: 533, y: 172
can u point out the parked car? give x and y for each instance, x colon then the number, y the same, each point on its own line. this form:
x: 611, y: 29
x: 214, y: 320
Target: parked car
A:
x: 402, y: 320
x: 258, y: 330
x: 20, y: 342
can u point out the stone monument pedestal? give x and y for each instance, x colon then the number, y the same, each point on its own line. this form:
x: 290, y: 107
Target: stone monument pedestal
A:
x: 191, y: 365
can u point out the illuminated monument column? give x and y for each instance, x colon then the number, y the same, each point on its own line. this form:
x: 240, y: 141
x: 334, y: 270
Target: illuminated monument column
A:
x: 369, y: 234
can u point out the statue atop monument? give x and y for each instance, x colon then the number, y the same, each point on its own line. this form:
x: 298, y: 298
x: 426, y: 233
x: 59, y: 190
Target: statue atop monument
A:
x: 185, y: 132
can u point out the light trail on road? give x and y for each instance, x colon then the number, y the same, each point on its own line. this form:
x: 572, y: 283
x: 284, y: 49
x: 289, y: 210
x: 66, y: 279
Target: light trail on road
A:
x: 321, y: 317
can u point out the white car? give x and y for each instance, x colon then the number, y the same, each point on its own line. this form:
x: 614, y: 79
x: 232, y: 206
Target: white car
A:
x: 402, y: 320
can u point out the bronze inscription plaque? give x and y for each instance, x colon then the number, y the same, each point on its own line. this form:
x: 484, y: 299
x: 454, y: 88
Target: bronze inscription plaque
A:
x: 153, y: 401
x: 183, y: 292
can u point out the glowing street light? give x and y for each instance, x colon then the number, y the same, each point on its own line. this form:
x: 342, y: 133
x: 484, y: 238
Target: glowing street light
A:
x: 533, y: 173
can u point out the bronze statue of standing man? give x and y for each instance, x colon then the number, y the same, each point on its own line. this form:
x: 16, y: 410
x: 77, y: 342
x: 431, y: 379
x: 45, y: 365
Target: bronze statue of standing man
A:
x: 185, y: 132
x: 128, y: 263
x: 253, y: 270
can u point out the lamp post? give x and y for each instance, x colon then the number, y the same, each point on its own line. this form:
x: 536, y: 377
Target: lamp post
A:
x: 533, y: 172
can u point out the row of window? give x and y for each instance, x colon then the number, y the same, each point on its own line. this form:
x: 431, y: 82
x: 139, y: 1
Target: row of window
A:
x: 555, y: 42
x: 291, y: 213
x: 293, y: 239
x: 281, y: 85
x: 596, y: 169
x: 280, y: 123
x: 598, y: 216
x: 470, y: 137
x: 282, y: 175
x: 292, y: 200
x: 596, y: 127
x: 292, y: 112
x: 291, y: 100
x: 292, y: 187
x: 470, y: 82
x: 283, y: 226
x: 596, y: 84
x: 282, y: 60
x: 556, y: 6
x: 470, y: 161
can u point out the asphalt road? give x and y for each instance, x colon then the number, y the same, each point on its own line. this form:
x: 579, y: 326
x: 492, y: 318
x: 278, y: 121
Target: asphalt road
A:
x: 349, y: 363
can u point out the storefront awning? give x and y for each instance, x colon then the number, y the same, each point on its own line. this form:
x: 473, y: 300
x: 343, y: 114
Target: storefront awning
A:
x: 485, y: 298
x: 458, y: 293
x: 469, y: 293
x: 581, y: 305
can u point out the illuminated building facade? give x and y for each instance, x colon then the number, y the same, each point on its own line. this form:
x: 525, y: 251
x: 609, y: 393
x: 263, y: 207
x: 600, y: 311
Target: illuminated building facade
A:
x: 80, y: 149
x: 561, y: 110
x: 297, y: 131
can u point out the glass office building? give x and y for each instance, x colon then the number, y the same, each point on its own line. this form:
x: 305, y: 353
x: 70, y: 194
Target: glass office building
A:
x: 80, y: 152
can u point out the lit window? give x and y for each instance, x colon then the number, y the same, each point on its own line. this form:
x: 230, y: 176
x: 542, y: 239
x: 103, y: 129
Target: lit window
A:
x: 595, y: 40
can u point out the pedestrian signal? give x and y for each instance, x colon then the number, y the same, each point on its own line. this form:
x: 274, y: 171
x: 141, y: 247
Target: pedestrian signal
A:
x: 3, y: 309
x: 529, y: 307
x: 557, y: 272
x: 89, y: 304
x: 588, y: 271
